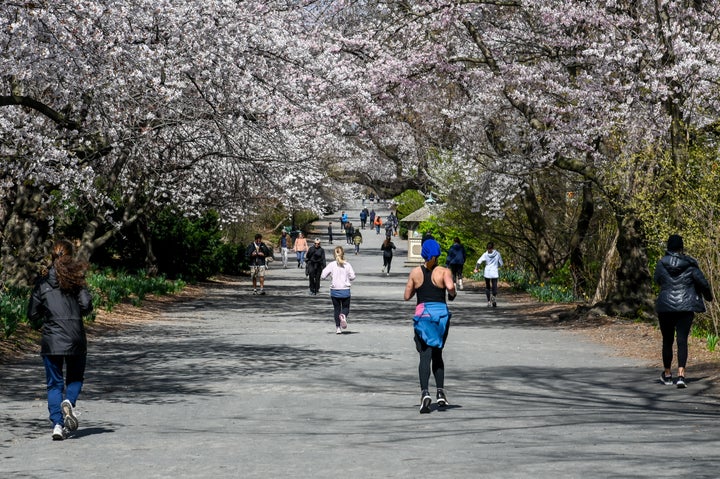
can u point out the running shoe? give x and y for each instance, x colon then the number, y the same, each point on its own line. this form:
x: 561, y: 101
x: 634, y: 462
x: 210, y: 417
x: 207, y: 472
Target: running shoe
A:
x: 338, y: 331
x: 666, y: 380
x: 680, y: 383
x: 255, y: 291
x: 71, y: 422
x: 262, y: 291
x: 494, y: 303
x: 59, y: 433
x: 343, y: 321
x: 425, y: 401
x: 441, y: 398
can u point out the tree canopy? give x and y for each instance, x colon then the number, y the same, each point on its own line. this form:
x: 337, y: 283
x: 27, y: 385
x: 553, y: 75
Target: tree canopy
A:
x: 535, y: 113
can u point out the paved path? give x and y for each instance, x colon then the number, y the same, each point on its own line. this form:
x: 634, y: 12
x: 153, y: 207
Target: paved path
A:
x: 235, y: 385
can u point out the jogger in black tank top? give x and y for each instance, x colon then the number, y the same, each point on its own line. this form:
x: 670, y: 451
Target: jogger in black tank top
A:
x: 430, y: 282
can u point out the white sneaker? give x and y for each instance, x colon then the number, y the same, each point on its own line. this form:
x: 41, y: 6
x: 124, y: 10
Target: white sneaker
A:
x: 71, y: 422
x: 460, y: 284
x: 343, y: 321
x: 58, y: 433
x: 489, y: 304
x: 338, y: 331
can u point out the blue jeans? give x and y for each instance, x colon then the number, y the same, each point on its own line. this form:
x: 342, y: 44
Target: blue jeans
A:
x: 75, y: 366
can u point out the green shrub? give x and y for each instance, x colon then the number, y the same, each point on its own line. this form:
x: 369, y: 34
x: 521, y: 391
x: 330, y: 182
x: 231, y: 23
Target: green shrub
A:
x: 13, y: 308
x: 551, y: 293
x: 187, y: 248
x: 111, y: 288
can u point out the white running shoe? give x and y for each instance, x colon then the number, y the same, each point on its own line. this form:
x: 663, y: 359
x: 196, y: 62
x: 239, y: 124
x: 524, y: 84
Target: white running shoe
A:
x: 58, y: 433
x: 71, y: 422
x: 338, y: 331
x: 343, y: 321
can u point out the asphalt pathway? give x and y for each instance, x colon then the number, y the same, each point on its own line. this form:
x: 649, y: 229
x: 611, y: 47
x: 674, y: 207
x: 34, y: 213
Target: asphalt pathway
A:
x: 236, y: 385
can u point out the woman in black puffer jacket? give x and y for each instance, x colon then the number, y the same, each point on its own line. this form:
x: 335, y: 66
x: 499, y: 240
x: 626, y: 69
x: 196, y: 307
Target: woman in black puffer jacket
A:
x: 682, y: 289
x: 58, y: 302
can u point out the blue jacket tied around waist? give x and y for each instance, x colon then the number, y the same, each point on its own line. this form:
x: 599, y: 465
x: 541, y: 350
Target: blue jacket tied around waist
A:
x: 431, y: 321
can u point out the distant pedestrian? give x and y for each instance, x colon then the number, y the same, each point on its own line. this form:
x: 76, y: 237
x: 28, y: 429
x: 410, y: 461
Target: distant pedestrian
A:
x: 493, y: 262
x: 455, y: 260
x: 349, y: 230
x: 387, y: 250
x: 342, y: 275
x: 315, y: 260
x: 343, y: 220
x: 357, y: 240
x: 300, y: 248
x: 388, y: 228
x: 393, y: 221
x: 378, y: 223
x: 330, y: 233
x: 363, y: 218
x: 257, y: 253
x: 371, y: 218
x: 431, y: 320
x: 284, y: 247
x: 58, y: 303
x: 682, y: 289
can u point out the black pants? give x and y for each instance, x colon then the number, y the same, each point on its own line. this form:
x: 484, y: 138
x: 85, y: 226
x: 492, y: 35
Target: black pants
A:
x: 314, y: 272
x: 491, y: 287
x: 670, y: 323
x: 387, y: 261
x: 456, y: 270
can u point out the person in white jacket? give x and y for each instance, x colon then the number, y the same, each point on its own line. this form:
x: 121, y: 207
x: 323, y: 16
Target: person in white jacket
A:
x: 493, y: 262
x: 343, y: 275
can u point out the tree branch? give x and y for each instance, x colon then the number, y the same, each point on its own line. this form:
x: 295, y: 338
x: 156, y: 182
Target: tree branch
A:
x: 29, y: 102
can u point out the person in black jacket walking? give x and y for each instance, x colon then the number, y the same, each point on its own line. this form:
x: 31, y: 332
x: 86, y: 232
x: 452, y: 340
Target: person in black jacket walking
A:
x: 315, y: 261
x: 682, y: 289
x: 58, y: 303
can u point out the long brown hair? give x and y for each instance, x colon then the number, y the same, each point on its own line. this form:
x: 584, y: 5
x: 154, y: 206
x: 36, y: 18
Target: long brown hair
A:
x: 70, y: 272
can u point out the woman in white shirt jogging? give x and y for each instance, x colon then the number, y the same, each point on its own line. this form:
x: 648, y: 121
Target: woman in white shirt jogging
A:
x: 493, y: 261
x: 343, y: 275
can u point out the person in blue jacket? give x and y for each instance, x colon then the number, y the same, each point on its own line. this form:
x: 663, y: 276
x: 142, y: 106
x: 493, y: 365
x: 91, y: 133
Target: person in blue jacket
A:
x: 431, y: 283
x: 455, y: 260
x: 57, y: 305
x: 682, y: 289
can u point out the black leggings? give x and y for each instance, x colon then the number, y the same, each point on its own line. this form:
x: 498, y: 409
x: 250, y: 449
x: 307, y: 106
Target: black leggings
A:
x: 387, y: 261
x: 430, y: 359
x: 456, y: 270
x: 491, y: 287
x: 680, y: 321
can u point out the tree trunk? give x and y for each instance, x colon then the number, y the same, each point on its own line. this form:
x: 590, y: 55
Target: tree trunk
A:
x: 146, y: 237
x: 577, y: 262
x: 631, y: 293
x: 24, y: 236
x: 543, y: 252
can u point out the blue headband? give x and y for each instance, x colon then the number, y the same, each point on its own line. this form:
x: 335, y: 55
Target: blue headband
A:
x: 430, y: 248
